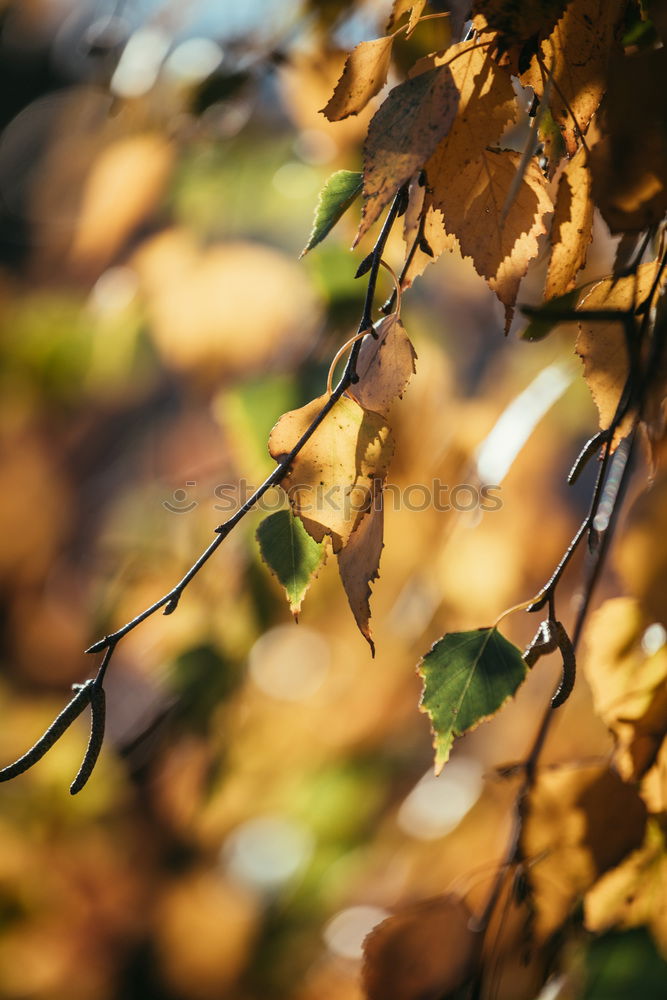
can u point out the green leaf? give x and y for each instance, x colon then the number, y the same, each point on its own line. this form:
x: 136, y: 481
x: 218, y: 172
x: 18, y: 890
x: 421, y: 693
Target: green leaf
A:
x: 334, y: 199
x: 290, y: 553
x: 624, y: 965
x: 467, y: 677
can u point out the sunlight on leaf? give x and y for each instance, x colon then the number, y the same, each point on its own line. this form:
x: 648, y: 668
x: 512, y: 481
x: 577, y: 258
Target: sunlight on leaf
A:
x: 467, y: 677
x: 333, y: 201
x: 364, y: 76
x: 291, y: 554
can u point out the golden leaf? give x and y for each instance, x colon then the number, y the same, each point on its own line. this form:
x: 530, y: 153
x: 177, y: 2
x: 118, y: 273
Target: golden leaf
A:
x: 602, y: 347
x: 402, y: 135
x: 329, y: 483
x: 364, y: 76
x: 580, y: 822
x: 358, y: 563
x: 577, y: 55
x: 385, y: 366
x: 471, y: 196
x: 436, y: 237
x: 627, y: 684
x: 571, y: 231
x: 640, y: 557
x: 516, y: 21
x: 415, y: 8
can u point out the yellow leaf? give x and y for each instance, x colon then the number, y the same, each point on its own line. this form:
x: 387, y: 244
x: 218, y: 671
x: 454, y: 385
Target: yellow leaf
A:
x: 471, y: 196
x: 486, y: 102
x: 358, y: 563
x: 385, y: 366
x: 330, y: 482
x: 437, y: 239
x: 364, y: 76
x: 426, y: 949
x: 518, y: 22
x: 580, y: 822
x: 635, y: 893
x: 577, y: 55
x: 415, y: 8
x: 640, y: 556
x: 402, y: 135
x: 571, y: 231
x: 602, y: 347
x: 628, y: 685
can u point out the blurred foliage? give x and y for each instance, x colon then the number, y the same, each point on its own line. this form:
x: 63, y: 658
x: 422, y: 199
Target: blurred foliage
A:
x: 257, y: 807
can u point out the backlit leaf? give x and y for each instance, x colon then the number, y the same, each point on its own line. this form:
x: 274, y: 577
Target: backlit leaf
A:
x: 467, y: 677
x: 471, y: 196
x: 359, y: 561
x: 364, y: 76
x: 385, y: 366
x: 290, y: 553
x: 329, y: 484
x: 414, y: 8
x: 572, y: 226
x: 333, y: 201
x: 519, y: 20
x: 402, y: 135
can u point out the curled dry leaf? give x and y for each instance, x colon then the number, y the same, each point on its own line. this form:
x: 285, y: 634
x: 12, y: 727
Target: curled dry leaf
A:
x: 364, y: 76
x: 577, y: 53
x: 424, y: 950
x: 402, y: 135
x: 580, y: 822
x: 603, y: 350
x: 415, y: 8
x: 385, y: 366
x: 359, y: 561
x: 471, y: 199
x: 329, y: 483
x: 629, y: 687
x: 572, y: 227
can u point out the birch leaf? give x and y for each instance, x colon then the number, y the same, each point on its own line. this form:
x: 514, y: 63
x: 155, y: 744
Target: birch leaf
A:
x: 359, y: 561
x: 572, y: 227
x: 471, y: 197
x: 602, y: 346
x: 333, y: 201
x: 467, y: 677
x: 415, y: 9
x: 385, y: 366
x: 364, y: 76
x: 291, y: 554
x: 329, y: 484
x: 577, y: 53
x: 402, y: 135
x: 518, y: 22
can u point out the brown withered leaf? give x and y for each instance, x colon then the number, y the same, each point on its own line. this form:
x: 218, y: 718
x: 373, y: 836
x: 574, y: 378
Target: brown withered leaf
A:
x: 578, y: 53
x: 329, y: 484
x: 635, y: 893
x: 572, y: 226
x: 517, y: 21
x: 364, y: 76
x: 385, y: 366
x: 359, y: 561
x: 629, y: 164
x: 581, y: 821
x: 628, y: 686
x: 415, y: 8
x: 471, y: 197
x: 602, y: 346
x: 424, y: 950
x: 402, y: 135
